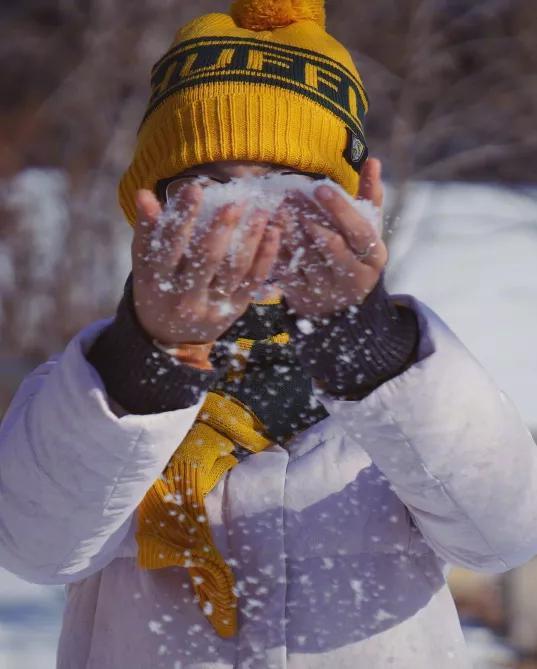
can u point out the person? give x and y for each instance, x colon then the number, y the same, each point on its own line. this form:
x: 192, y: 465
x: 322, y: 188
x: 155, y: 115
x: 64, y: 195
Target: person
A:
x: 264, y: 460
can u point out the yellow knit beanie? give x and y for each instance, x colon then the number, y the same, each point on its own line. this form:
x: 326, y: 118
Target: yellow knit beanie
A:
x: 266, y: 83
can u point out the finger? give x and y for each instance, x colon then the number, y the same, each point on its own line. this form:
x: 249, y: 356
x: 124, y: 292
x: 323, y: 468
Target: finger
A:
x: 301, y: 270
x: 348, y: 272
x: 332, y: 246
x: 147, y: 212
x: 159, y: 243
x: 147, y: 206
x: 236, y: 265
x: 320, y: 278
x: 294, y: 238
x: 283, y: 218
x: 371, y: 187
x: 199, y: 268
x: 283, y: 271
x: 308, y: 256
x: 176, y: 225
x: 309, y: 212
x: 359, y: 233
x: 295, y: 257
x: 299, y: 261
x: 262, y: 266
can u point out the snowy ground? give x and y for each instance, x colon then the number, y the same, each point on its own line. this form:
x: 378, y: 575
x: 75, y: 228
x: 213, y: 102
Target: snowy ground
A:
x: 487, y: 651
x: 469, y: 252
x: 30, y: 617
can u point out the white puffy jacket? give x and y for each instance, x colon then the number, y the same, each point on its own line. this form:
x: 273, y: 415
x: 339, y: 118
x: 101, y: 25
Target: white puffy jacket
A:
x: 338, y: 542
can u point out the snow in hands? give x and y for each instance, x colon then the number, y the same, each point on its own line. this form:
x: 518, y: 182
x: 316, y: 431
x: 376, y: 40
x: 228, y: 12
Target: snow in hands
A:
x: 215, y: 247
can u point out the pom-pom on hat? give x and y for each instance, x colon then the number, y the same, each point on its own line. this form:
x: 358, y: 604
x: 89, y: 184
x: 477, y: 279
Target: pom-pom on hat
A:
x: 265, y: 83
x: 271, y: 14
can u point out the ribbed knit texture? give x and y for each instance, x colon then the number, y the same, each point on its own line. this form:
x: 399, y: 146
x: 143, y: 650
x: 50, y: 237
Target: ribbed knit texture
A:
x: 229, y: 128
x: 360, y: 348
x: 172, y: 522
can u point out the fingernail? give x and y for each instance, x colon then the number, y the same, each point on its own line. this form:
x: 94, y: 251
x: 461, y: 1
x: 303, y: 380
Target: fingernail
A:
x: 325, y: 192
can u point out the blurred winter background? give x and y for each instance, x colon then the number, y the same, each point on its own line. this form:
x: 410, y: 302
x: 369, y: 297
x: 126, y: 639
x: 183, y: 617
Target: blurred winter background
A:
x: 453, y: 85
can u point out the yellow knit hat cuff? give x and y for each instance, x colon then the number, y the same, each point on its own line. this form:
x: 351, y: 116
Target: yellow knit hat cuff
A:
x: 261, y: 125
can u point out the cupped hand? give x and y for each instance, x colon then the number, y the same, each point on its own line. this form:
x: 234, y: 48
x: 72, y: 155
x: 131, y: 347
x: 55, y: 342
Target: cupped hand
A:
x: 331, y: 256
x: 190, y: 287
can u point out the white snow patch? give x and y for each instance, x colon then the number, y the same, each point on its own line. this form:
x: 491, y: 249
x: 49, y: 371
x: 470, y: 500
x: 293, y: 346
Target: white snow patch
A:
x: 155, y: 627
x: 468, y: 251
x: 305, y: 326
x: 253, y: 192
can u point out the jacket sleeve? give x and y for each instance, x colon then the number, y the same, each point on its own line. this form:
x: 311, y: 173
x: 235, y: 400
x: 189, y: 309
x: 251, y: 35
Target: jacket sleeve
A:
x: 455, y: 451
x: 72, y: 472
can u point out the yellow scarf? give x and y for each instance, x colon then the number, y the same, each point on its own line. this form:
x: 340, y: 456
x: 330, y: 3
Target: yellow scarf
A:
x: 173, y: 529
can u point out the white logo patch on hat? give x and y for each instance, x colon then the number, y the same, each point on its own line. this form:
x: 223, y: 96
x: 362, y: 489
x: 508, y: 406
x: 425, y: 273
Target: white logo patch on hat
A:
x: 356, y: 151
